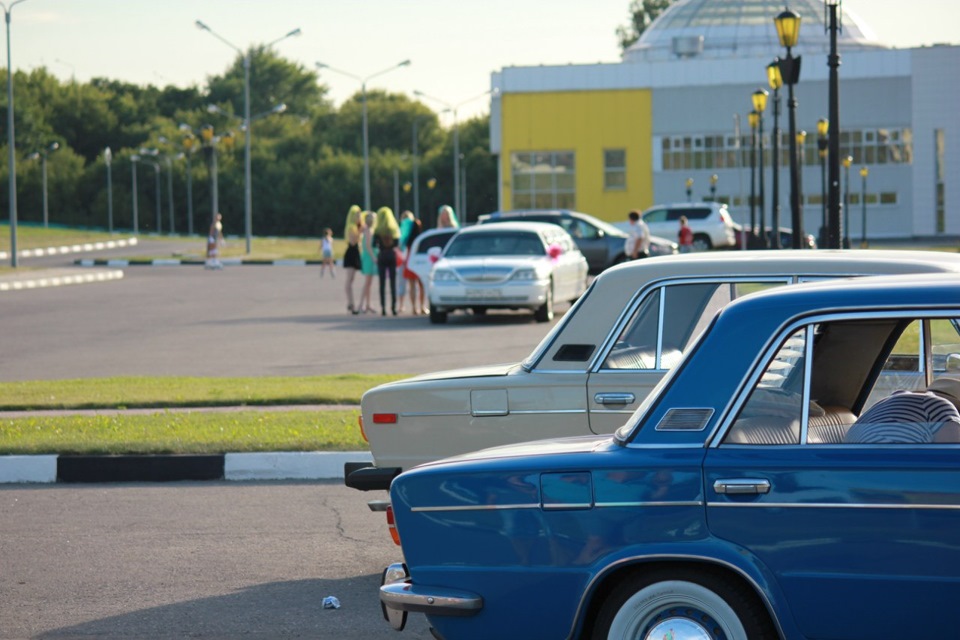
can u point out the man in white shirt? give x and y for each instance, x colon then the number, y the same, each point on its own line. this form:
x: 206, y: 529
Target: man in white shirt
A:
x: 637, y: 244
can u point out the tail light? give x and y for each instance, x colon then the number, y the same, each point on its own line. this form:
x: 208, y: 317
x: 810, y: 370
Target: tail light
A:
x: 362, y: 432
x: 392, y: 526
x: 384, y: 418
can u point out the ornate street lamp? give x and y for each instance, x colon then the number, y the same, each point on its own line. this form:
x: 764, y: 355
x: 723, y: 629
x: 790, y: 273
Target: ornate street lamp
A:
x: 753, y: 118
x: 847, y: 161
x: 42, y: 156
x: 689, y: 187
x: 801, y: 156
x: 833, y: 62
x: 788, y: 31
x: 713, y: 187
x: 775, y: 80
x: 823, y: 128
x: 759, y: 99
x: 864, y: 172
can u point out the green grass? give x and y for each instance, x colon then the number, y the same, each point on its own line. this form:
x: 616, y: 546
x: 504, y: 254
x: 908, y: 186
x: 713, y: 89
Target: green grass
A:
x: 183, y: 432
x: 163, y: 392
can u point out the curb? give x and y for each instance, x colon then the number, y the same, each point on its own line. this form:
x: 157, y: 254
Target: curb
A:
x: 56, y: 278
x: 178, y: 262
x: 72, y: 248
x: 293, y: 465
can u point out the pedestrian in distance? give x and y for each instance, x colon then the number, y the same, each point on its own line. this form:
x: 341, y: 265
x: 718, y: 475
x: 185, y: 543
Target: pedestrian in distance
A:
x: 326, y: 252
x: 637, y: 244
x: 406, y: 223
x: 685, y: 236
x: 414, y: 286
x: 447, y: 218
x: 215, y: 243
x: 386, y: 237
x: 352, y: 234
x: 368, y: 261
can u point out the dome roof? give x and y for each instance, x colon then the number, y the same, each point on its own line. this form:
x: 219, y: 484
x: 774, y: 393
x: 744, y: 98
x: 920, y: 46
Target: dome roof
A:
x: 741, y: 29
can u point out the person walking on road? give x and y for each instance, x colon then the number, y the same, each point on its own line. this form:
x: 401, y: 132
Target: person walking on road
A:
x: 326, y: 252
x: 447, y: 218
x: 387, y: 234
x: 685, y: 236
x: 637, y: 244
x: 352, y: 233
x: 368, y: 260
x: 215, y: 242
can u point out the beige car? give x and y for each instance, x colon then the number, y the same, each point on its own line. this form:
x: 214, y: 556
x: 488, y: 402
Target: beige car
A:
x: 598, y: 363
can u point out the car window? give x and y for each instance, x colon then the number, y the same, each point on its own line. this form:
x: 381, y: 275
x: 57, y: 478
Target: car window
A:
x: 436, y: 240
x: 656, y: 215
x: 686, y: 310
x: 694, y: 213
x: 495, y: 244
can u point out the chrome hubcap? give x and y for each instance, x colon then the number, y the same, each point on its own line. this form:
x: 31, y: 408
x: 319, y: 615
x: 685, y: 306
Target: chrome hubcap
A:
x: 677, y: 629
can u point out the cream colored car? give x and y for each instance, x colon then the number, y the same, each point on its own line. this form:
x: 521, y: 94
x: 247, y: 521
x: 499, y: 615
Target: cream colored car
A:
x: 598, y: 363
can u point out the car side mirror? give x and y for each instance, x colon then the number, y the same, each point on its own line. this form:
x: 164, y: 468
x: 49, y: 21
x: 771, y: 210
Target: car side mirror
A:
x: 601, y: 233
x: 953, y: 362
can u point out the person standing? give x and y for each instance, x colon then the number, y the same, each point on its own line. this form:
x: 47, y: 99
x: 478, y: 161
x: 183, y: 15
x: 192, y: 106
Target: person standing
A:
x: 447, y: 218
x: 368, y: 260
x: 326, y: 252
x: 637, y: 244
x: 351, y: 257
x: 387, y: 235
x: 215, y: 242
x: 417, y: 305
x: 685, y: 236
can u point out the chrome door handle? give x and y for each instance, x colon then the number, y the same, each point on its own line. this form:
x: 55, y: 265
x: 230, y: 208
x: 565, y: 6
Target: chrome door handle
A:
x: 742, y: 486
x: 614, y: 398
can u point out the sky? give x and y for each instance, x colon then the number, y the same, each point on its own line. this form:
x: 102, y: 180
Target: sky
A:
x: 453, y: 45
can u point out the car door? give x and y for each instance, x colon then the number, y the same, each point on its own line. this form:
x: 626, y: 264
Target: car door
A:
x: 860, y: 539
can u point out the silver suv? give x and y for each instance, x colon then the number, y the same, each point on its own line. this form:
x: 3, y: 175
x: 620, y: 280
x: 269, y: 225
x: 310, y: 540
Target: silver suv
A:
x: 710, y: 222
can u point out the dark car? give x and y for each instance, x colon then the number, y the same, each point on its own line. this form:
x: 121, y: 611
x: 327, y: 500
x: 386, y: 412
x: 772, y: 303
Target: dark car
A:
x: 600, y: 242
x: 786, y: 238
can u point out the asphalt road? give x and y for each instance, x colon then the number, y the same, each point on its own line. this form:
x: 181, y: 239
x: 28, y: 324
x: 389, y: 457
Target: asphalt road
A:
x: 241, y: 321
x: 193, y: 560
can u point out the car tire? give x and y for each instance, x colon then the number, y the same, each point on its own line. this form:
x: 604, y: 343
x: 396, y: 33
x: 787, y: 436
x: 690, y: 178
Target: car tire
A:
x: 701, y: 242
x: 437, y: 316
x: 479, y: 311
x: 702, y: 602
x: 545, y: 312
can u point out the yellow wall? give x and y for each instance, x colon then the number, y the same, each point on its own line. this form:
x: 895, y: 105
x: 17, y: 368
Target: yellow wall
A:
x: 586, y: 122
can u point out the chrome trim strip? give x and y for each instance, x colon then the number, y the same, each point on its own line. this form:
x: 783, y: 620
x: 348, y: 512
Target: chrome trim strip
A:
x: 625, y: 412
x: 550, y: 506
x: 660, y: 313
x: 476, y: 507
x: 679, y: 503
x: 535, y: 412
x: 835, y: 505
x: 431, y: 414
x: 807, y: 377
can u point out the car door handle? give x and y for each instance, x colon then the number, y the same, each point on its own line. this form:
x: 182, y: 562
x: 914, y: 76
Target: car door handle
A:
x: 742, y: 486
x: 614, y: 398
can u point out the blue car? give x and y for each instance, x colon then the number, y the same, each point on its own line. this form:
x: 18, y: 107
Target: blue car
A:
x: 740, y: 501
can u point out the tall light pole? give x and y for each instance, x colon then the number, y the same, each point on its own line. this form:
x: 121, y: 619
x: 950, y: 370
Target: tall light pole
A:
x: 108, y: 161
x: 247, y: 186
x: 847, y: 161
x: 753, y: 118
x: 11, y: 142
x: 366, y: 135
x: 134, y: 159
x: 834, y: 232
x: 788, y: 31
x: 759, y: 99
x: 688, y: 186
x: 42, y: 156
x: 823, y: 129
x: 864, y: 172
x: 775, y: 80
x: 457, y: 197
x: 189, y: 147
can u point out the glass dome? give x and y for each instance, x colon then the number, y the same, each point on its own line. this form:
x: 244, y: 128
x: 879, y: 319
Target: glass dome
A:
x: 741, y: 29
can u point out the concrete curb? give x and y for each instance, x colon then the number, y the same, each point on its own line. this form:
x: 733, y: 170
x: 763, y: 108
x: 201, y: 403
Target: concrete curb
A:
x: 56, y: 278
x: 72, y: 248
x: 192, y: 262
x: 307, y: 465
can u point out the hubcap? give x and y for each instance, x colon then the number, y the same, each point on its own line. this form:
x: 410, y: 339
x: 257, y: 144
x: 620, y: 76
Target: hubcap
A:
x: 677, y: 628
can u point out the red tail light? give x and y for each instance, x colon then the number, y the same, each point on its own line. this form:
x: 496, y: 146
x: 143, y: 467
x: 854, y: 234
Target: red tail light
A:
x: 362, y: 432
x: 384, y: 418
x: 392, y: 526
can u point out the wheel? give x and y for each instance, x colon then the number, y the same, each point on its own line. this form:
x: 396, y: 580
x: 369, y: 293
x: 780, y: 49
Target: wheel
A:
x: 479, y: 311
x: 545, y: 312
x: 437, y: 316
x: 683, y: 603
x: 702, y: 242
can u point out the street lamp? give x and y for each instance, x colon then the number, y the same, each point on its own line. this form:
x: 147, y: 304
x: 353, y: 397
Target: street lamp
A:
x: 42, y: 155
x: 108, y: 161
x: 12, y: 166
x: 801, y: 157
x: 134, y: 159
x: 833, y: 62
x: 247, y: 186
x: 366, y: 135
x: 864, y: 172
x: 458, y: 199
x: 788, y: 31
x: 689, y: 186
x: 713, y: 187
x: 775, y: 80
x: 753, y: 118
x: 847, y: 161
x: 823, y: 129
x: 189, y: 143
x: 156, y: 165
x: 759, y: 99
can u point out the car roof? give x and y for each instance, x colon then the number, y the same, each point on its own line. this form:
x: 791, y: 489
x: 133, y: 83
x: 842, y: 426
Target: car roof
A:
x: 500, y: 227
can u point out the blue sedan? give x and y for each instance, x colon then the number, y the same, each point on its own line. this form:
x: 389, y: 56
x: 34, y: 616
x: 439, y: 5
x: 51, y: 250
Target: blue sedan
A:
x: 734, y: 504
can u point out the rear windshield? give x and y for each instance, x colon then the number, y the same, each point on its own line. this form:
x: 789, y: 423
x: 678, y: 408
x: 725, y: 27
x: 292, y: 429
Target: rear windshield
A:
x: 496, y: 244
x: 436, y: 240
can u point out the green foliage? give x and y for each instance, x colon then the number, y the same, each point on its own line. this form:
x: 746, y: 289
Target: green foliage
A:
x: 642, y: 13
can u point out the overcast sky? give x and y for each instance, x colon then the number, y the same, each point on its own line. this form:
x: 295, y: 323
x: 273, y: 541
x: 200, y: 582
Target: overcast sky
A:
x: 453, y: 45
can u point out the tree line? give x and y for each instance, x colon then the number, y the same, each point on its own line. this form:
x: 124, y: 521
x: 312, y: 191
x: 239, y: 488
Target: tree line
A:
x: 307, y: 162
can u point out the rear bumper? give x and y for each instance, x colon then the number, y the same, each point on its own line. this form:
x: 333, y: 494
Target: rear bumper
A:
x: 398, y: 596
x: 362, y: 476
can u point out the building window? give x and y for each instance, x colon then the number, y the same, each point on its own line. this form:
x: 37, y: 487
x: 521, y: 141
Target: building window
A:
x: 615, y: 169
x: 543, y: 180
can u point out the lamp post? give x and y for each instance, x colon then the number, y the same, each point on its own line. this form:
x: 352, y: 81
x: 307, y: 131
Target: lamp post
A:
x: 108, y: 161
x: 458, y: 199
x: 366, y: 135
x: 753, y: 119
x: 42, y: 156
x: 801, y: 156
x: 823, y: 129
x: 713, y: 187
x: 788, y: 31
x: 689, y: 186
x: 833, y: 61
x: 416, y: 169
x: 247, y: 186
x: 847, y: 161
x: 11, y: 144
x: 759, y: 99
x: 156, y: 165
x: 189, y: 144
x: 133, y: 172
x: 864, y: 172
x: 775, y: 80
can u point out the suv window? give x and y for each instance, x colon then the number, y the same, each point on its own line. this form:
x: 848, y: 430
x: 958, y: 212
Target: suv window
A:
x: 693, y: 213
x: 657, y: 215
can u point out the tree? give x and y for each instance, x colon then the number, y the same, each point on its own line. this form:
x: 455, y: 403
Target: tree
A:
x: 642, y: 13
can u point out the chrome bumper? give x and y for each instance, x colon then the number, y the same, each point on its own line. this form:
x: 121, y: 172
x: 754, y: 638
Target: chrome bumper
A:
x: 399, y: 597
